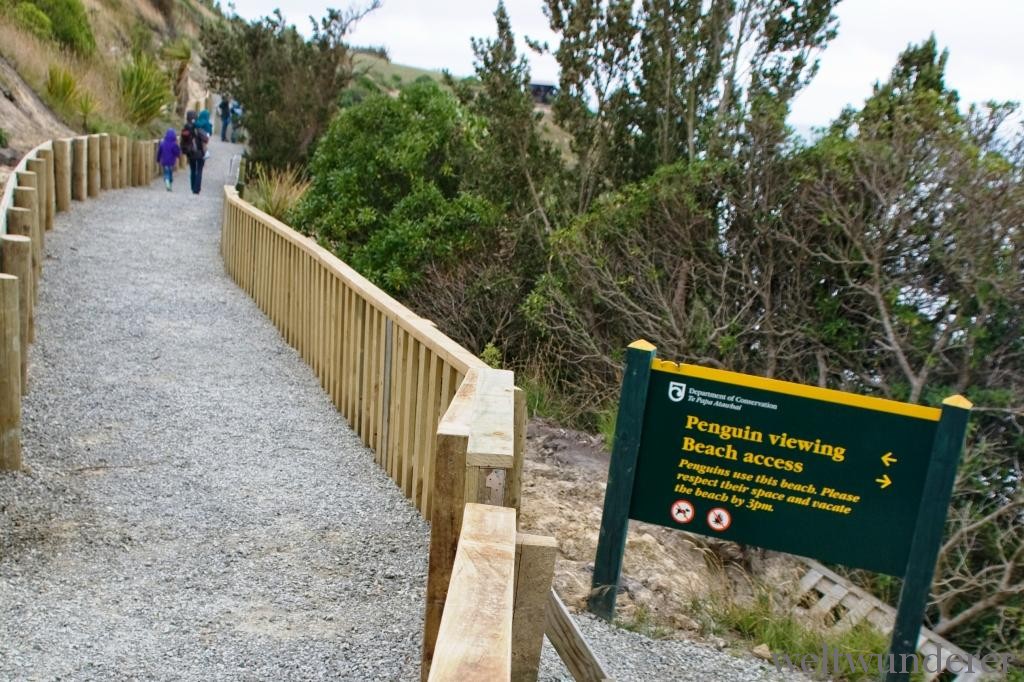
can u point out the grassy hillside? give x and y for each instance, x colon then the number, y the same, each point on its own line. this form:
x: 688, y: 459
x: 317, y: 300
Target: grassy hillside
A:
x: 388, y: 75
x: 70, y: 53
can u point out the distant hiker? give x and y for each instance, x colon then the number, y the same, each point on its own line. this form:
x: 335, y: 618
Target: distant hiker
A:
x: 193, y: 145
x: 167, y: 156
x: 224, y: 108
x: 204, y: 122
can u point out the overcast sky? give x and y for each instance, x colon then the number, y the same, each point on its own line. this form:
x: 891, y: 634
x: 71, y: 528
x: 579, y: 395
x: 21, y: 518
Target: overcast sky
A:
x: 983, y: 36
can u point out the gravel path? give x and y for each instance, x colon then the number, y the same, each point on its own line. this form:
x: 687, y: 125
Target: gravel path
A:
x: 195, y: 507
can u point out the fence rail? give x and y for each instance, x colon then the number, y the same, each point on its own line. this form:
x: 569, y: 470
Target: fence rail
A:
x: 448, y: 430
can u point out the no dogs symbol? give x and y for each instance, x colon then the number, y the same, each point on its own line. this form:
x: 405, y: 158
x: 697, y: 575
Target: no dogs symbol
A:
x: 682, y: 511
x: 719, y: 519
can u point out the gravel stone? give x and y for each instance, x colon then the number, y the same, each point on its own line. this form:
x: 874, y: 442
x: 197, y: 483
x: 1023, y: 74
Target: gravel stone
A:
x: 194, y: 506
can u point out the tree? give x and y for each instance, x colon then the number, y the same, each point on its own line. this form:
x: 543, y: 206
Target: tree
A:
x: 675, y: 79
x: 388, y: 192
x: 289, y: 86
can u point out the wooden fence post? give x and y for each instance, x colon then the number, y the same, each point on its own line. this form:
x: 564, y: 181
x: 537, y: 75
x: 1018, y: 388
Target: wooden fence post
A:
x: 514, y: 481
x: 94, y: 166
x: 25, y: 197
x: 10, y: 375
x: 49, y: 178
x: 79, y: 168
x: 16, y: 259
x: 535, y: 568
x: 122, y: 161
x: 38, y: 168
x: 129, y: 162
x: 19, y: 222
x: 62, y: 173
x: 446, y: 515
x: 105, y: 162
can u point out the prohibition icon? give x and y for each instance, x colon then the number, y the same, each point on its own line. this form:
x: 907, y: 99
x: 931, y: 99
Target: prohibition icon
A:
x: 682, y: 511
x: 719, y: 519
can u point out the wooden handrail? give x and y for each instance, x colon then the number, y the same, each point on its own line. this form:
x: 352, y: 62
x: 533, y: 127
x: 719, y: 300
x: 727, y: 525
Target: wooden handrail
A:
x: 475, y: 637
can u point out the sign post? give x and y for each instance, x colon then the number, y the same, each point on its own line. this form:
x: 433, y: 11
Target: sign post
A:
x: 931, y: 521
x: 611, y: 542
x: 839, y: 477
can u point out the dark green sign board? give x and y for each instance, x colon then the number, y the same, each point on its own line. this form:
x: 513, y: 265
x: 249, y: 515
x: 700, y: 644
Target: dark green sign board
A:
x: 798, y: 469
x: 840, y: 477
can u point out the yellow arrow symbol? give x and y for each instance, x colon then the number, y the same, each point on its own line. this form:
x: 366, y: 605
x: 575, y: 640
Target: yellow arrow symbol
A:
x: 888, y: 459
x: 884, y: 481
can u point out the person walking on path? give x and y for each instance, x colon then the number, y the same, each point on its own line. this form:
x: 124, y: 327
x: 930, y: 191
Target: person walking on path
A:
x: 224, y: 108
x: 167, y: 155
x: 193, y: 144
x: 204, y: 122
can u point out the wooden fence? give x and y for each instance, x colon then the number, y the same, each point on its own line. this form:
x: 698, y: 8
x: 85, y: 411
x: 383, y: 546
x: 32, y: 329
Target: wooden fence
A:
x: 45, y: 182
x: 448, y: 430
x: 827, y: 595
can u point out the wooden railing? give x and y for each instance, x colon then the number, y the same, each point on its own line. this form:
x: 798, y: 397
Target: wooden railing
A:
x: 46, y: 181
x: 388, y: 371
x: 449, y: 431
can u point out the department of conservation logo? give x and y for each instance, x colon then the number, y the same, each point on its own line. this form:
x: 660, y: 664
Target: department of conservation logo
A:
x: 676, y: 391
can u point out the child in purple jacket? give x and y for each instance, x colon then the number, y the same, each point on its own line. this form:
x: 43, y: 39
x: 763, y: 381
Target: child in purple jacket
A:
x: 167, y: 156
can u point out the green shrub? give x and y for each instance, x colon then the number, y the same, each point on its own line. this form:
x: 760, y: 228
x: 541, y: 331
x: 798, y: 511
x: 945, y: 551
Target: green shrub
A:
x: 276, y: 191
x: 3, y: 138
x: 86, y: 106
x: 145, y: 90
x: 387, y: 190
x: 70, y: 23
x: 33, y: 20
x: 61, y: 88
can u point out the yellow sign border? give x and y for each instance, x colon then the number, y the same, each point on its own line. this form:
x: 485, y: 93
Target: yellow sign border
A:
x: 799, y: 390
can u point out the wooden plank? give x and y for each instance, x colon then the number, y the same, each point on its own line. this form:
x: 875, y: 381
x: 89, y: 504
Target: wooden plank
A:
x: 410, y: 407
x: 570, y: 644
x: 475, y: 636
x: 514, y: 482
x: 421, y: 426
x: 386, y: 397
x: 433, y: 410
x: 396, y: 406
x: 491, y: 443
x: 535, y: 568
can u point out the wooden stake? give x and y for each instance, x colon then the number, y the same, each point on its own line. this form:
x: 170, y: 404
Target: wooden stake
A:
x: 25, y: 197
x: 79, y: 168
x: 16, y: 260
x: 10, y: 375
x: 106, y: 163
x: 535, y: 568
x: 49, y: 179
x: 93, y: 185
x: 62, y: 173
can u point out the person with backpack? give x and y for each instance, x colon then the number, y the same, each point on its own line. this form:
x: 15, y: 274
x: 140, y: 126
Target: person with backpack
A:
x: 225, y: 117
x: 193, y: 145
x: 167, y: 156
